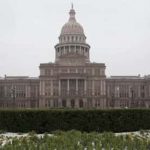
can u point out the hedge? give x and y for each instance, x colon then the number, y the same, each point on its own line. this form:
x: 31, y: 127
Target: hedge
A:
x: 120, y: 120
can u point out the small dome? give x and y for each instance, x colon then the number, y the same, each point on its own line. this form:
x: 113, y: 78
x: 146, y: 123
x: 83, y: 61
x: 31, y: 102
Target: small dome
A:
x: 72, y: 27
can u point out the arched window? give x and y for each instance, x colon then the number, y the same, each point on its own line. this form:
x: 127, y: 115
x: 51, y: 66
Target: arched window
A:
x: 80, y: 39
x: 72, y: 103
x: 97, y: 103
x: 72, y: 38
x: 55, y: 101
x: 89, y: 103
x: 76, y: 38
x: 81, y: 103
x: 63, y: 103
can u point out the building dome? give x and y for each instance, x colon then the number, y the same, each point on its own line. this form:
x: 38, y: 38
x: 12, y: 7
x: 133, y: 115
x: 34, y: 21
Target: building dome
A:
x: 72, y: 27
x: 72, y: 47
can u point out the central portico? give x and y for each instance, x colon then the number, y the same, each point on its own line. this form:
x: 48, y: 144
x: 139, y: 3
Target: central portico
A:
x: 72, y: 80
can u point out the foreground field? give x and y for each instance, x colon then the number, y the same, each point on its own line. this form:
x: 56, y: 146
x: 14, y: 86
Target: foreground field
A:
x: 75, y: 140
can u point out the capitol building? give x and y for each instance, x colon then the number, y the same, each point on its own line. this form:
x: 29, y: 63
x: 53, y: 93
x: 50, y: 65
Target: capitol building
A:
x: 73, y: 81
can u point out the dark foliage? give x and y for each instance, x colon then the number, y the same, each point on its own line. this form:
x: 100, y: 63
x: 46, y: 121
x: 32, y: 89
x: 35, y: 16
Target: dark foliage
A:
x: 83, y: 120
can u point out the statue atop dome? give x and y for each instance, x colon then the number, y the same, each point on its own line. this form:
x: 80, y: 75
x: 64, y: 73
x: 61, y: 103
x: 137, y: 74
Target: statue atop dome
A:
x: 72, y: 14
x: 72, y: 5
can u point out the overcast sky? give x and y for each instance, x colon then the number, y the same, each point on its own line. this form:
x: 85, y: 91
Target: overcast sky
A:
x: 117, y: 30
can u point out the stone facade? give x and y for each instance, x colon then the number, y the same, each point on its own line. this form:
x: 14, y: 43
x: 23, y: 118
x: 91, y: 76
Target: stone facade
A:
x: 19, y: 92
x: 128, y: 92
x: 73, y: 81
x: 72, y: 86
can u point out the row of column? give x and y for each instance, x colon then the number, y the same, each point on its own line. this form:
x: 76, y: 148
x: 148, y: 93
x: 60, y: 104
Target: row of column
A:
x: 84, y: 88
x: 68, y: 39
x: 68, y: 86
x: 77, y: 103
x: 67, y: 49
x: 127, y: 91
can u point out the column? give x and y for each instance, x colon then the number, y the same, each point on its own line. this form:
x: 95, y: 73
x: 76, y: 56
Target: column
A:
x: 101, y: 83
x: 80, y: 50
x: 64, y: 49
x: 83, y: 51
x: 85, y: 87
x: 104, y: 86
x: 145, y: 91
x: 139, y: 93
x: 42, y: 88
x: 149, y: 91
x: 51, y: 103
x: 59, y: 88
x: 93, y: 102
x: 51, y: 87
x: 75, y: 49
x: 67, y: 102
x: 129, y: 91
x: 68, y: 86
x: 59, y: 102
x: 5, y: 91
x: 93, y: 89
x: 28, y: 93
x: 69, y: 49
x: 76, y: 86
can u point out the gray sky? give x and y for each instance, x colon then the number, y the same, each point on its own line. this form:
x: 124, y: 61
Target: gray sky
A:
x: 117, y: 30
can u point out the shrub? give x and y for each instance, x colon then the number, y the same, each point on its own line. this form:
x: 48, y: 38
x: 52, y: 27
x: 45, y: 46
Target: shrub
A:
x: 83, y: 120
x: 75, y: 140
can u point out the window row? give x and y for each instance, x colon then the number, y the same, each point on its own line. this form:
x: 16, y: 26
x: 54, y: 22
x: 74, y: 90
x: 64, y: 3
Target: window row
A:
x: 90, y: 71
x: 73, y: 103
x: 72, y: 39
